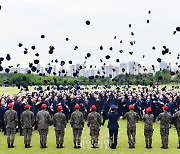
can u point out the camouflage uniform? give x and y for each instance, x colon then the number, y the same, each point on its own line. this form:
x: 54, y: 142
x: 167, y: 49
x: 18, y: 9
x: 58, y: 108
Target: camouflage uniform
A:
x: 27, y: 122
x: 177, y: 118
x: 77, y: 124
x: 148, y: 129
x: 94, y: 122
x: 165, y: 119
x: 43, y: 122
x: 132, y: 118
x: 11, y: 121
x: 60, y: 125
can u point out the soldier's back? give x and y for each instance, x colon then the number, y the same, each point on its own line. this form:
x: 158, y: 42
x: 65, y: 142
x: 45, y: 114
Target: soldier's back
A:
x: 148, y: 119
x: 43, y: 119
x: 11, y: 118
x: 132, y: 118
x: 165, y: 119
x: 27, y: 119
x: 77, y: 119
x: 59, y: 121
x: 94, y: 119
x: 177, y: 116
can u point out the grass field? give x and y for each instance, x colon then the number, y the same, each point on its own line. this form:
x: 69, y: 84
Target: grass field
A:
x: 14, y: 90
x: 86, y: 146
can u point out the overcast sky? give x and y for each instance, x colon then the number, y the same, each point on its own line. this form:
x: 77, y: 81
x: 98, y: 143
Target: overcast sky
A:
x: 24, y: 21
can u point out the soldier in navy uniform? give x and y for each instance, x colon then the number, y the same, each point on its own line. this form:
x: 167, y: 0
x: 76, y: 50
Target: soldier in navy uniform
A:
x: 113, y: 126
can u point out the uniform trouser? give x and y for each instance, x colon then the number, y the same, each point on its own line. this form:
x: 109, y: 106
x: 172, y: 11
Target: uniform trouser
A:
x: 164, y: 136
x: 27, y: 135
x: 148, y: 136
x: 19, y: 125
x: 11, y: 135
x: 131, y: 132
x: 77, y: 132
x: 43, y: 135
x: 113, y: 133
x: 94, y: 133
x: 59, y: 136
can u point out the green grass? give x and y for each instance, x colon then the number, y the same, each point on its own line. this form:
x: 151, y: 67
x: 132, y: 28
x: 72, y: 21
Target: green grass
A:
x: 14, y: 90
x: 86, y: 147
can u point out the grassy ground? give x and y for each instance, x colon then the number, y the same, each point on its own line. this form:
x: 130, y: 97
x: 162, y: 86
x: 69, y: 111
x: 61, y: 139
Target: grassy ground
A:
x: 14, y: 90
x: 86, y: 147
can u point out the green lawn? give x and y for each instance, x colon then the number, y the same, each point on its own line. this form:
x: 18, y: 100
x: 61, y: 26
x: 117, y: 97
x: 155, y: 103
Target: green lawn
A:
x: 14, y: 90
x: 86, y: 147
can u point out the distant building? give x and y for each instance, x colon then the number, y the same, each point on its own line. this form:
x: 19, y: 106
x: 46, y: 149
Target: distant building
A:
x: 123, y: 68
x: 164, y: 66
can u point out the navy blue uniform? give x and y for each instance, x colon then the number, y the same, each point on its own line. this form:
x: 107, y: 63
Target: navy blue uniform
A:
x: 113, y: 128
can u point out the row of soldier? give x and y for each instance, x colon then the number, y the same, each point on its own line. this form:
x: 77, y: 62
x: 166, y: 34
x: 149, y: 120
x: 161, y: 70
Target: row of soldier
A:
x: 102, y: 99
x: 93, y: 121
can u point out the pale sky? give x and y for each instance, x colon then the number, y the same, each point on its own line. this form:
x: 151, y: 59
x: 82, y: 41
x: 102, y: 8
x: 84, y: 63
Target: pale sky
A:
x: 24, y: 21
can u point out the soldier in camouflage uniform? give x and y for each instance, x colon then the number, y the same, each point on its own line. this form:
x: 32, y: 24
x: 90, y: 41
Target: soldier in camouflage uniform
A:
x: 132, y: 118
x: 165, y: 119
x: 77, y: 124
x: 94, y: 122
x: 11, y: 121
x: 27, y: 122
x: 43, y: 122
x: 176, y: 116
x: 60, y: 125
x: 148, y: 127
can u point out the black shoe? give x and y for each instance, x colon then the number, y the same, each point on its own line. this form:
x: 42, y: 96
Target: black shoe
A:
x: 133, y: 146
x: 130, y: 146
x: 61, y: 146
x: 29, y: 146
x: 26, y: 146
x: 146, y: 146
x: 9, y: 146
x: 12, y: 146
x: 162, y: 147
x: 78, y: 146
x: 42, y: 146
x: 75, y: 147
x: 57, y: 146
x: 178, y: 147
x: 45, y: 146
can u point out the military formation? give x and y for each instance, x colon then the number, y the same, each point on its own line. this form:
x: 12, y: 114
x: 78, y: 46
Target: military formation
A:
x: 39, y: 111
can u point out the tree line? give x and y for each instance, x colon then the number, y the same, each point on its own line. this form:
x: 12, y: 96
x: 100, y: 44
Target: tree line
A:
x: 160, y: 77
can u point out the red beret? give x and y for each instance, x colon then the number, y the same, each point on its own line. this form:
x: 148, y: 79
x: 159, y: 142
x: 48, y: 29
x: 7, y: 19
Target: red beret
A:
x: 165, y: 107
x: 43, y: 106
x: 27, y: 106
x: 149, y: 110
x: 131, y: 107
x: 59, y: 108
x: 93, y: 107
x: 10, y: 105
x: 77, y: 106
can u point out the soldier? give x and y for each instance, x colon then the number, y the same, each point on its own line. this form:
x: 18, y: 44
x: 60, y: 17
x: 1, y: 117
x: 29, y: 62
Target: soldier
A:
x: 60, y: 125
x: 43, y: 122
x: 77, y: 124
x: 113, y: 126
x: 94, y: 122
x: 11, y: 121
x: 148, y: 127
x: 164, y: 119
x: 132, y: 118
x: 27, y: 122
x: 176, y: 116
